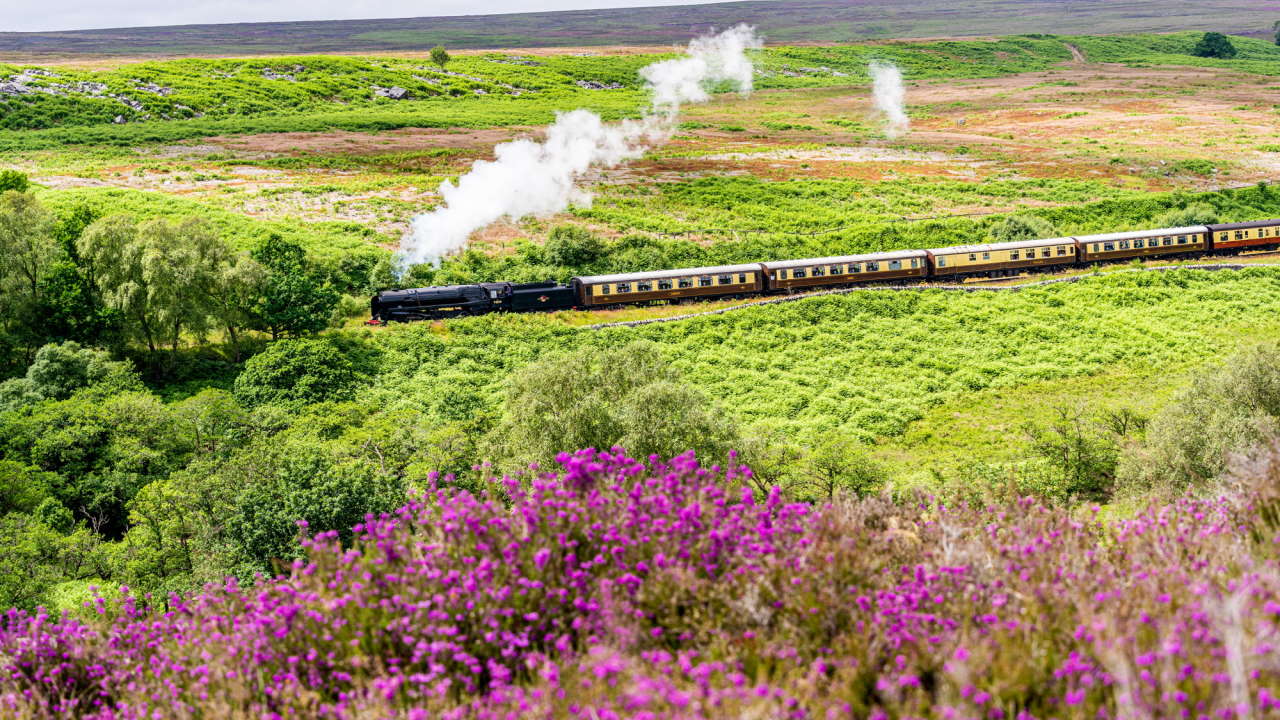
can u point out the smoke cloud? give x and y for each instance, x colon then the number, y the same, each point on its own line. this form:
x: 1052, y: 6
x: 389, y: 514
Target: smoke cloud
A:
x: 890, y: 97
x: 540, y: 178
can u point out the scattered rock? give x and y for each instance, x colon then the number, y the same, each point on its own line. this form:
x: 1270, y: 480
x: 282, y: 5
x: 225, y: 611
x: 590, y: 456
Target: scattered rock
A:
x: 823, y: 70
x: 481, y: 91
x: 513, y: 60
x: 271, y: 74
x: 128, y: 102
x: 119, y: 120
x: 392, y: 93
x: 153, y: 88
x: 597, y: 85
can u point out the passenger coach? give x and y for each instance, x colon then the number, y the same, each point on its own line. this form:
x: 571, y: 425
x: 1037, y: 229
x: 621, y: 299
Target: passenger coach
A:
x: 846, y: 269
x: 1234, y: 237
x: 1143, y: 243
x: 1002, y: 258
x: 703, y: 282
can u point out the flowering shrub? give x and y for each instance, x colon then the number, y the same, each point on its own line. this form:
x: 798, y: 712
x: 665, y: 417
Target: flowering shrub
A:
x: 617, y: 588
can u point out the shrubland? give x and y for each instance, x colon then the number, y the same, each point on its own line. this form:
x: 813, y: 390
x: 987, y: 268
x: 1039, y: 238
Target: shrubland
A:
x: 166, y: 492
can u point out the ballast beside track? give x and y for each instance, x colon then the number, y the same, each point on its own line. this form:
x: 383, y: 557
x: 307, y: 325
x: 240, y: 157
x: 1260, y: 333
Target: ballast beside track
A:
x: 922, y: 287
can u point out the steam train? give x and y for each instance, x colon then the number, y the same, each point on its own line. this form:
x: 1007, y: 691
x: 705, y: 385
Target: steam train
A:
x: 790, y: 276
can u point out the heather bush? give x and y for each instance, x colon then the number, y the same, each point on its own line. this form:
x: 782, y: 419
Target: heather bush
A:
x: 626, y: 589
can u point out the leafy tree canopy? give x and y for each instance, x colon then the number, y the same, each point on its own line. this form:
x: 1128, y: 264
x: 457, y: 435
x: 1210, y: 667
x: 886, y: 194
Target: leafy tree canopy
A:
x: 295, y: 300
x: 1214, y: 45
x: 13, y: 180
x: 297, y: 372
x: 440, y: 56
x: 627, y: 395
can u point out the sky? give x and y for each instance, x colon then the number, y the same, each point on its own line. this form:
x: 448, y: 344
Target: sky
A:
x: 37, y: 15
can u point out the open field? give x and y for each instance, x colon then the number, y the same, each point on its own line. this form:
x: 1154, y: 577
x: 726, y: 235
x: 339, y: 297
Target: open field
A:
x: 789, y: 21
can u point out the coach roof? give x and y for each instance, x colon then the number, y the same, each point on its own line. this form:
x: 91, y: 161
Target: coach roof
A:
x: 662, y: 274
x: 1108, y: 237
x: 842, y: 259
x: 1244, y: 225
x: 962, y: 249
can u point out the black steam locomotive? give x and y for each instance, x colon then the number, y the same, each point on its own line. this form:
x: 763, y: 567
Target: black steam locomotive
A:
x: 454, y: 300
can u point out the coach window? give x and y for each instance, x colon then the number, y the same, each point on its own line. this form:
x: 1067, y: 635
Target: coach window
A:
x: 1047, y: 252
x: 1062, y: 249
x: 1109, y: 246
x: 837, y: 269
x: 664, y: 284
x: 819, y: 271
x: 705, y: 281
x: 895, y: 264
x: 799, y: 273
x: 973, y: 257
x: 942, y: 262
x: 1015, y: 254
x: 985, y: 256
x: 853, y: 268
x: 915, y: 262
x: 624, y: 287
x: 1182, y: 239
x: 1239, y: 235
x: 644, y: 286
x: 1139, y: 243
x: 726, y: 279
x: 742, y: 277
x: 685, y: 282
x: 873, y: 267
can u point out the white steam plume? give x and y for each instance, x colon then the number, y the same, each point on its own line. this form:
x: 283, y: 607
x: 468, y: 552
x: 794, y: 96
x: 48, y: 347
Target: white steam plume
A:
x: 540, y: 178
x: 890, y: 96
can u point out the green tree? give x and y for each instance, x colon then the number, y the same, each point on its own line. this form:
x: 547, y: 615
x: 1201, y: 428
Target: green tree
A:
x: 27, y: 249
x: 574, y: 247
x: 294, y: 299
x: 1214, y: 45
x: 1228, y: 408
x: 60, y: 370
x: 628, y: 396
x: 102, y: 448
x: 1275, y: 30
x: 1193, y: 214
x: 837, y: 465
x: 297, y: 372
x: 234, y: 297
x: 1081, y: 454
x: 161, y: 277
x: 13, y: 180
x: 69, y: 307
x: 440, y: 56
x: 22, y: 488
